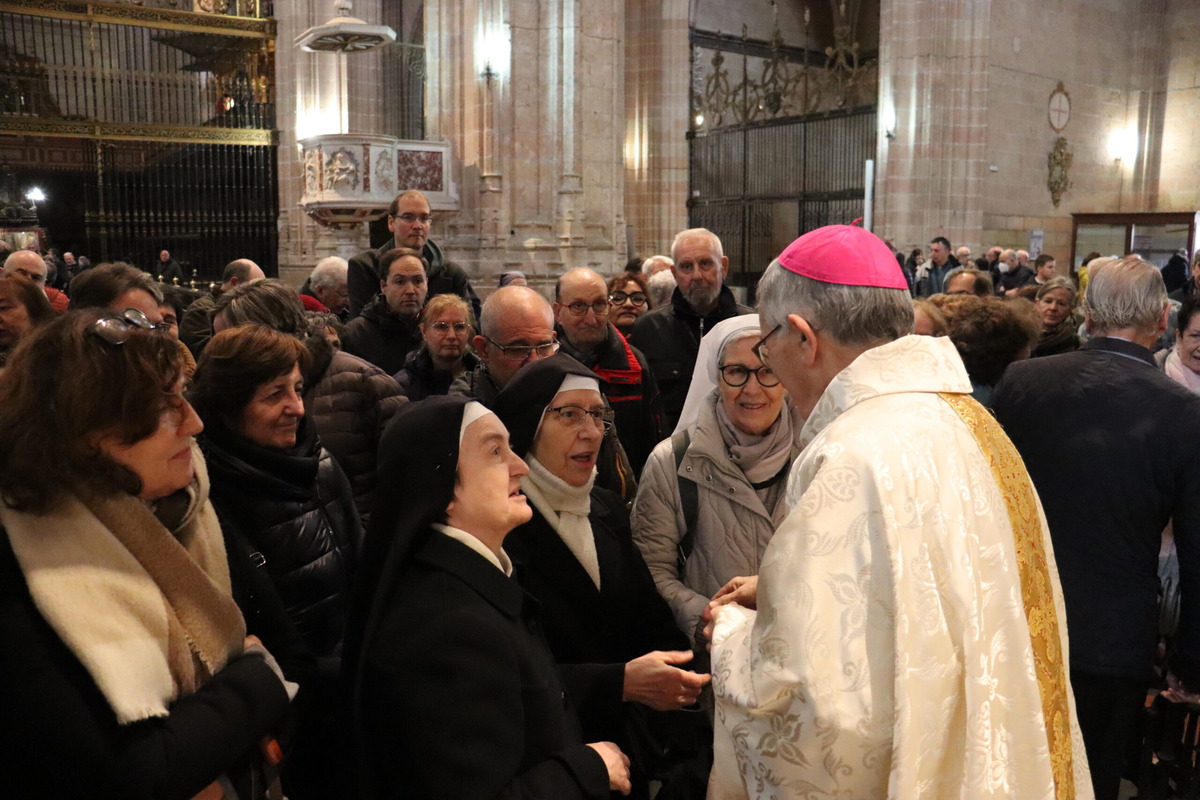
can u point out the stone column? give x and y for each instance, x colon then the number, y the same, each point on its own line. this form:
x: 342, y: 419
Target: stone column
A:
x: 530, y: 96
x: 933, y: 94
x: 657, y: 85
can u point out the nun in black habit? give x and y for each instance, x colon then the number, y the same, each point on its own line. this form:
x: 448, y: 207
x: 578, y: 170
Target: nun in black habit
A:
x: 455, y: 693
x: 576, y: 556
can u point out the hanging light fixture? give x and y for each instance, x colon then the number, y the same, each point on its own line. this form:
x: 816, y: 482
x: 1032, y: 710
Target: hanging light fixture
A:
x: 345, y: 34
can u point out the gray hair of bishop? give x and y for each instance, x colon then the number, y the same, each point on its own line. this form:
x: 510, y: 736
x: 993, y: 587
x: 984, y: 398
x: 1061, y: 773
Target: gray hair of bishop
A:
x: 1126, y: 293
x: 850, y: 315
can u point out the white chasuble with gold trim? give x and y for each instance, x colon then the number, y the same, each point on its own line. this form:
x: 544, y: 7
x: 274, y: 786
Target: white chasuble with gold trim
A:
x: 910, y: 639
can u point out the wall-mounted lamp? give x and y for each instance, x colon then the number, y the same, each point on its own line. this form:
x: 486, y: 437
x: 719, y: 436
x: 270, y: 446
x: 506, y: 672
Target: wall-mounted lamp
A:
x: 492, y: 54
x: 1123, y: 144
x: 699, y: 120
x: 887, y: 118
x: 35, y: 195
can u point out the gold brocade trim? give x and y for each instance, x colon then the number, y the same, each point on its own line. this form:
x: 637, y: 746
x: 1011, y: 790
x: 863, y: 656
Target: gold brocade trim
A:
x: 136, y: 132
x: 1036, y: 592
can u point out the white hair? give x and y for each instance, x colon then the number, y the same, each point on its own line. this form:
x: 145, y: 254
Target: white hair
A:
x: 660, y: 286
x: 329, y: 272
x: 717, y: 249
x: 1126, y: 293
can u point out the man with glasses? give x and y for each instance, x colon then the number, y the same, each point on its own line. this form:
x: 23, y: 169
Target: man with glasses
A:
x: 409, y: 220
x: 909, y: 600
x: 33, y: 266
x: 386, y: 331
x: 670, y: 335
x: 516, y: 327
x: 586, y: 333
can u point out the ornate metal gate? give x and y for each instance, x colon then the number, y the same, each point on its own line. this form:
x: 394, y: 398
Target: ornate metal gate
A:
x: 780, y: 136
x: 152, y: 126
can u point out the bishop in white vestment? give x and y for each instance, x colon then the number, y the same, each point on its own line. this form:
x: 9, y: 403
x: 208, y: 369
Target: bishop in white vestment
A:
x: 909, y: 639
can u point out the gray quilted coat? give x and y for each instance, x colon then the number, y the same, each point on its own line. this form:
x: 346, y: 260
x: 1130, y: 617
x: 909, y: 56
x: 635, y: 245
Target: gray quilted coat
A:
x: 733, y: 524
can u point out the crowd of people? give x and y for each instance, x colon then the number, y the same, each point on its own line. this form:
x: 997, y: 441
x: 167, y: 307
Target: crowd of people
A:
x: 376, y: 538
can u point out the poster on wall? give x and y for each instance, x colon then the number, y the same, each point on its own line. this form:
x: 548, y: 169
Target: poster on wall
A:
x: 1037, y: 240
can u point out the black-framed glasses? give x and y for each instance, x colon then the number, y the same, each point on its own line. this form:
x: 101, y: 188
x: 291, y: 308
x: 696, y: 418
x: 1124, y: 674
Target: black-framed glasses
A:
x: 410, y: 217
x: 760, y: 349
x: 574, y: 416
x: 521, y: 352
x: 117, y: 330
x: 619, y: 298
x: 737, y: 375
x: 579, y: 308
x: 445, y: 327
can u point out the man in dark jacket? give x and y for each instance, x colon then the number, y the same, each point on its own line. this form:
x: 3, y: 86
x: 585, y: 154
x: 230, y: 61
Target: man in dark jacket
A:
x: 386, y: 331
x: 670, y: 336
x: 585, y: 333
x: 1110, y: 442
x: 408, y: 219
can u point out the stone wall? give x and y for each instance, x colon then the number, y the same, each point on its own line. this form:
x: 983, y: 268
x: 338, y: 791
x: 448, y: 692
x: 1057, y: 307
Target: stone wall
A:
x: 970, y: 84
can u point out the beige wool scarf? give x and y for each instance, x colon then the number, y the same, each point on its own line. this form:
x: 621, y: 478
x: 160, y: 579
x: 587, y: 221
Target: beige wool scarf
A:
x: 148, y: 611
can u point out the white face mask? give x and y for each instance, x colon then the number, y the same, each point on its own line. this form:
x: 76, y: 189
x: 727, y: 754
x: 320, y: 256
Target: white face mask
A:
x: 1004, y: 267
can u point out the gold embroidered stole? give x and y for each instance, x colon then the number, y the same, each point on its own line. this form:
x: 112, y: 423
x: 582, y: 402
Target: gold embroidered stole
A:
x: 1036, y: 592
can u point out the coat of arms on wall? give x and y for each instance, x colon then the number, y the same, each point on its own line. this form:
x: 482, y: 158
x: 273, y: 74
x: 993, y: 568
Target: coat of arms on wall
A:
x: 1058, y: 164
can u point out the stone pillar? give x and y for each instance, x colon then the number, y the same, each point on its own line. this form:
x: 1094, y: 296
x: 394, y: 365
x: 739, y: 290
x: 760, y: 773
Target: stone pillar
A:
x: 657, y: 105
x: 529, y: 93
x: 933, y: 94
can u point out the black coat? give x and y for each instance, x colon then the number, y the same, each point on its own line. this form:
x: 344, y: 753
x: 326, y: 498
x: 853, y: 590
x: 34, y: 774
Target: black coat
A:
x: 380, y: 337
x: 292, y: 535
x: 460, y: 694
x: 362, y: 277
x: 60, y: 739
x: 670, y: 339
x: 420, y: 378
x: 623, y: 619
x: 1111, y: 445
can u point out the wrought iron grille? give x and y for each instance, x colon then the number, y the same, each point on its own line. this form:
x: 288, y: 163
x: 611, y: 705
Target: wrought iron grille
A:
x: 154, y: 126
x: 758, y: 186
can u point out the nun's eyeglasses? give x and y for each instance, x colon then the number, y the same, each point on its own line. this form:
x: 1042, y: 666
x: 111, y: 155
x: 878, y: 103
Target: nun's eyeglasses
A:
x: 574, y: 416
x: 117, y: 330
x: 736, y: 375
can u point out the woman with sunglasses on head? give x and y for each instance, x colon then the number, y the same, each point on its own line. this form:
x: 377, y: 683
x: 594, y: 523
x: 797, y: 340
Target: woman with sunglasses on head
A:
x: 126, y: 667
x: 445, y: 352
x: 627, y: 299
x: 577, y: 558
x: 710, y: 495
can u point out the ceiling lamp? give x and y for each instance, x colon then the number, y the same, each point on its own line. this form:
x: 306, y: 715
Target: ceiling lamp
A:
x: 345, y: 34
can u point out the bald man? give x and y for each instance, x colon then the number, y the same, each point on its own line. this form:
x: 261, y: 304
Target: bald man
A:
x: 33, y: 266
x: 585, y: 332
x: 516, y: 327
x: 195, y: 329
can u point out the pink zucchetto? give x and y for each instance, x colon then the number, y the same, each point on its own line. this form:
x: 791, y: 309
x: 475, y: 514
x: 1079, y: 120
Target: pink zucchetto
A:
x: 845, y: 255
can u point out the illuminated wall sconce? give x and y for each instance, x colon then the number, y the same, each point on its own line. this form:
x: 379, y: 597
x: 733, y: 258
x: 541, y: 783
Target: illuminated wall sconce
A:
x: 492, y: 54
x: 888, y: 120
x: 1123, y: 144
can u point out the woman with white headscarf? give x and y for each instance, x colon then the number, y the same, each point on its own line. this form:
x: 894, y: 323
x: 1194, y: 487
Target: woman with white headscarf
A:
x: 711, y: 495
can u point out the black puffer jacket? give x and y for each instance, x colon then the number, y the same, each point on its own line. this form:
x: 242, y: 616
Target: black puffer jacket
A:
x: 381, y: 337
x: 351, y: 402
x: 295, y: 509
